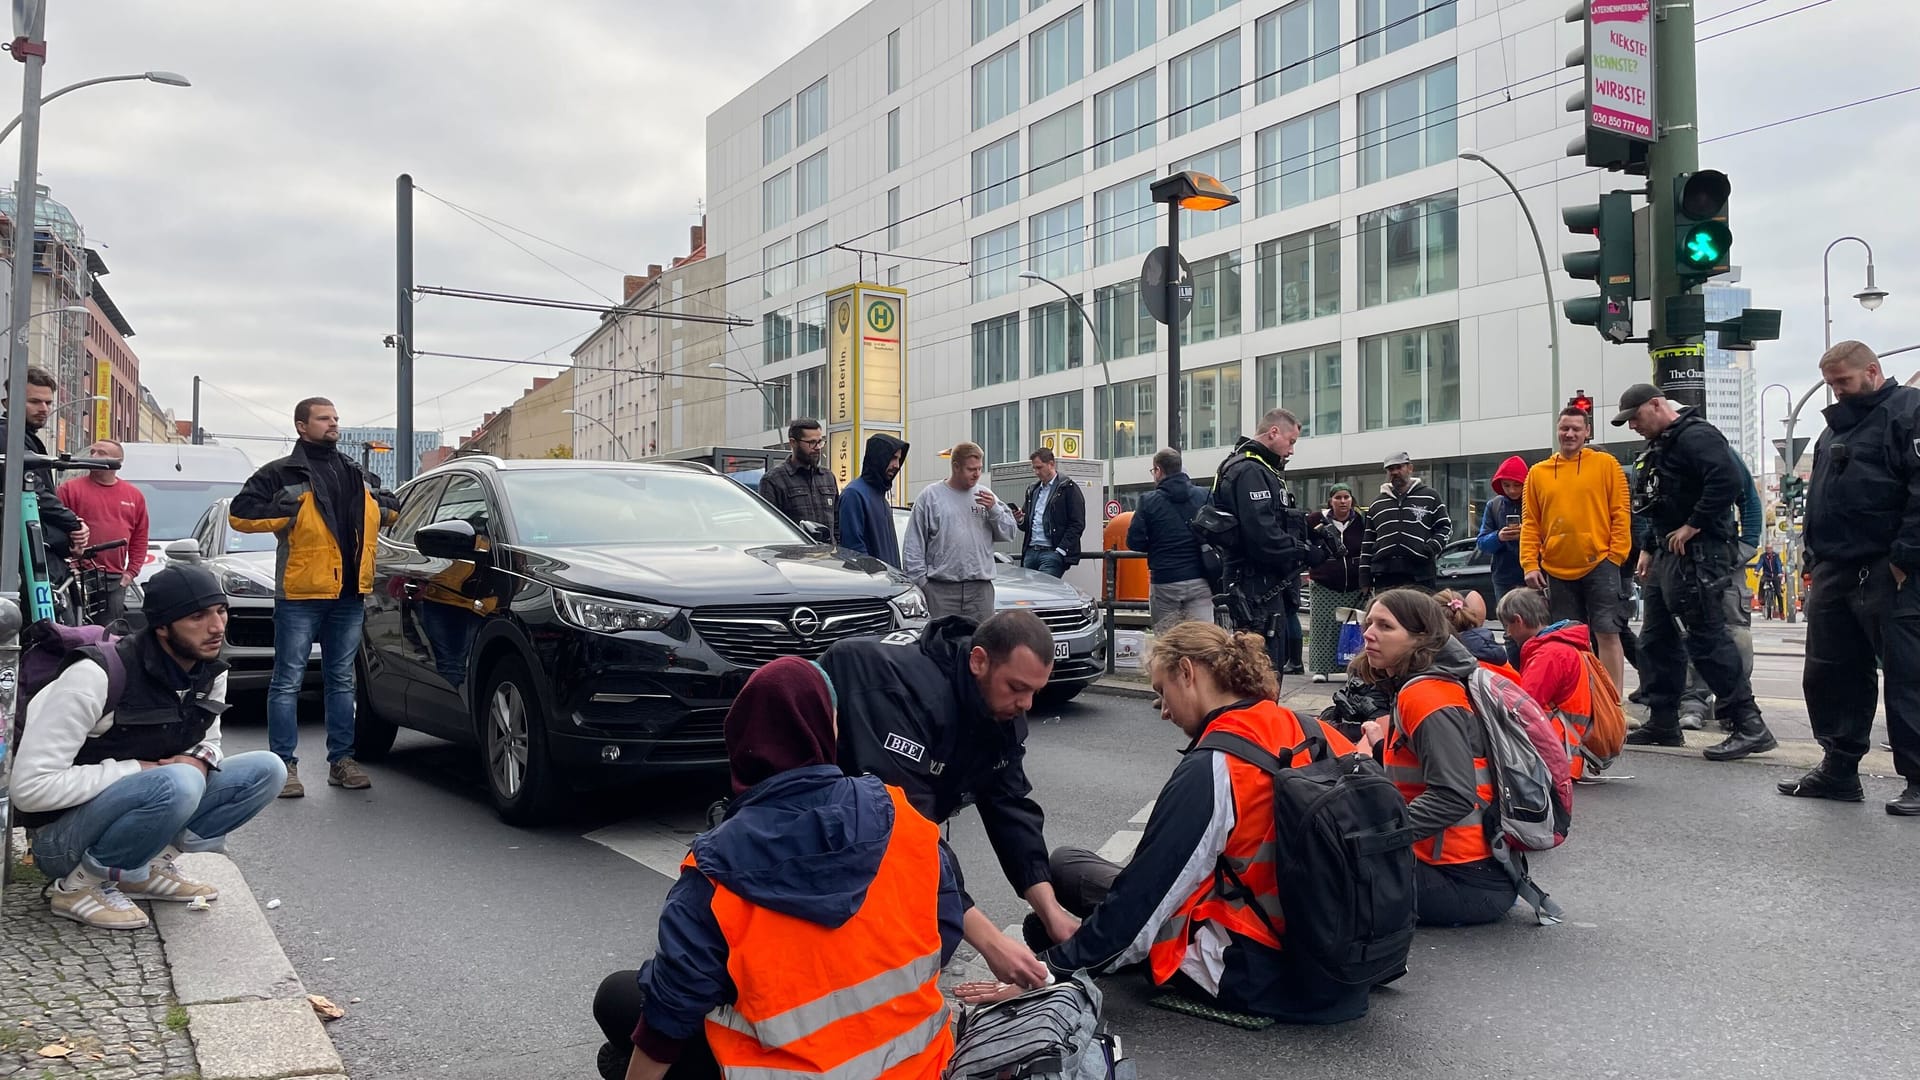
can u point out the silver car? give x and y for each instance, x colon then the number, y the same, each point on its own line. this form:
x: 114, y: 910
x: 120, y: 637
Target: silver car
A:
x: 244, y: 564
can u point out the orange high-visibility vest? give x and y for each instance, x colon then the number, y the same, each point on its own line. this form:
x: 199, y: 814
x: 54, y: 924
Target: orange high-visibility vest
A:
x: 1464, y: 841
x: 856, y: 1001
x: 1501, y: 669
x: 1251, y: 845
x: 1573, y: 718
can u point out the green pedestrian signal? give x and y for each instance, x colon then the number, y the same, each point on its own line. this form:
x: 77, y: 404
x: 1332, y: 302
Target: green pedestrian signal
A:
x: 1703, y: 243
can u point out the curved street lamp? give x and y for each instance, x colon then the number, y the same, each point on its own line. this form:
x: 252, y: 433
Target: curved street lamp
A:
x: 603, y: 426
x: 164, y: 78
x: 1546, y: 275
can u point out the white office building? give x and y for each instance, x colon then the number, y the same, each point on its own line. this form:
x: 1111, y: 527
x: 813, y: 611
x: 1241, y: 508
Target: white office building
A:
x: 1371, y: 281
x: 1733, y: 403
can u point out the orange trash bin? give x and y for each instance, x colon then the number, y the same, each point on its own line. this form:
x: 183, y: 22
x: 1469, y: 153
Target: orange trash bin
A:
x: 1130, y: 575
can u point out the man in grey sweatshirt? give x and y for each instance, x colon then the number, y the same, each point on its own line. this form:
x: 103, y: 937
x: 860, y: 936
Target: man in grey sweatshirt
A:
x: 950, y: 537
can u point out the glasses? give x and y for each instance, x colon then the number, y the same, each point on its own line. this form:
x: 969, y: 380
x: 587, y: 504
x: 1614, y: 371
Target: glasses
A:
x: 812, y: 444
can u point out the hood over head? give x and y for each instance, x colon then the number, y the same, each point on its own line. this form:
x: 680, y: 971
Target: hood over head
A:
x: 805, y: 843
x: 1455, y: 661
x: 1564, y: 632
x: 781, y: 720
x: 1514, y: 469
x: 880, y: 449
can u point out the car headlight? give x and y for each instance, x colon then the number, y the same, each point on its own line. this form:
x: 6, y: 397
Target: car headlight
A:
x: 238, y: 584
x: 1093, y: 609
x: 911, y: 606
x: 604, y: 616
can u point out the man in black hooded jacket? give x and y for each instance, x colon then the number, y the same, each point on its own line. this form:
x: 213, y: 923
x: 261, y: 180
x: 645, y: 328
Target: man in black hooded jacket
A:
x: 866, y: 517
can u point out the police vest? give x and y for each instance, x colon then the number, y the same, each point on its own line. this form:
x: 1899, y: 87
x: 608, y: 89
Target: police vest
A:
x: 852, y: 1002
x: 1465, y: 841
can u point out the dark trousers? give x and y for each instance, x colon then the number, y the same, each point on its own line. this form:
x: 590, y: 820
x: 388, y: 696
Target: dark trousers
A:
x: 616, y: 1008
x: 1855, y: 618
x: 1687, y: 599
x: 1466, y: 895
x: 1425, y: 583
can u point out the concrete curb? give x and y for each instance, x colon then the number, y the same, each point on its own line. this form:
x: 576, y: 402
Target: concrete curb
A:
x: 247, y: 1010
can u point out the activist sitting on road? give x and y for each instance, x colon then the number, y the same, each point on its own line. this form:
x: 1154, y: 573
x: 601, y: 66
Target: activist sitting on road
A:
x: 1467, y: 618
x: 118, y: 770
x: 1169, y: 906
x: 942, y: 715
x: 1436, y: 754
x: 807, y: 931
x: 1553, y: 668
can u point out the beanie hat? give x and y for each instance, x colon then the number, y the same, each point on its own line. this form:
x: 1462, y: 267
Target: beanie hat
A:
x: 179, y: 591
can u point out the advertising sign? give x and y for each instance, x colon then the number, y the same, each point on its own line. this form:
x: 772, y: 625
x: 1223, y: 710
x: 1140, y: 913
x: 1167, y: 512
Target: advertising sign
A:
x: 840, y: 344
x: 1620, y: 91
x: 103, y: 410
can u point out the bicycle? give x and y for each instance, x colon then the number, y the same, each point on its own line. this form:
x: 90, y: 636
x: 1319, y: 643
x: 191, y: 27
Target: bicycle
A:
x: 82, y: 598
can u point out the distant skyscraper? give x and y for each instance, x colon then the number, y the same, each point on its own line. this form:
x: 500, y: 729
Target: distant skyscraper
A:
x: 1733, y: 404
x: 353, y: 439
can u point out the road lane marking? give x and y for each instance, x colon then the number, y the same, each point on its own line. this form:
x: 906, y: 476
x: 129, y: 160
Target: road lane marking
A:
x: 655, y: 843
x: 1119, y: 847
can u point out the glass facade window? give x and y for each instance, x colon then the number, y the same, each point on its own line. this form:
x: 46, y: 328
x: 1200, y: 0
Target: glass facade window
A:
x: 1056, y: 55
x: 810, y: 326
x: 1127, y: 328
x: 1210, y: 405
x: 1056, y: 238
x: 1408, y: 124
x: 1216, y: 300
x: 1184, y: 13
x: 1132, y: 428
x: 776, y: 200
x: 996, y: 86
x: 996, y: 263
x: 1123, y: 120
x: 997, y: 429
x: 1296, y: 46
x: 1390, y: 25
x: 1298, y: 277
x: 991, y: 16
x: 810, y: 113
x: 1123, y: 220
x: 809, y: 389
x: 1056, y: 147
x: 1306, y: 383
x: 1054, y: 333
x: 893, y: 61
x: 776, y: 264
x: 1410, y: 377
x: 811, y: 183
x: 1410, y: 250
x: 1203, y: 85
x: 776, y: 133
x: 1121, y: 28
x: 893, y: 217
x: 776, y: 337
x: 1223, y: 164
x: 812, y: 243
x: 996, y: 350
x: 1056, y: 412
x: 893, y: 139
x: 996, y: 175
x: 1299, y: 161
x: 773, y: 403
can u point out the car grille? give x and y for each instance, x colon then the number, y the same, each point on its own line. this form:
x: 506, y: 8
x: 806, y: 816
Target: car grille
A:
x: 250, y: 631
x: 699, y: 738
x: 754, y: 634
x: 1065, y: 620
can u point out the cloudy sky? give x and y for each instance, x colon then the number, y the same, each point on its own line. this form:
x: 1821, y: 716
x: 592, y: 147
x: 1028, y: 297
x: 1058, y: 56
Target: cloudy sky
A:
x: 248, y: 221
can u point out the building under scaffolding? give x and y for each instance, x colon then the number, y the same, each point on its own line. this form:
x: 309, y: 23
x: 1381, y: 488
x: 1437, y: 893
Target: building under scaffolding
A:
x: 61, y: 279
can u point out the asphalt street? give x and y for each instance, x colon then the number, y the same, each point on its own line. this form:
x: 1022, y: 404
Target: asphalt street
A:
x: 1715, y: 928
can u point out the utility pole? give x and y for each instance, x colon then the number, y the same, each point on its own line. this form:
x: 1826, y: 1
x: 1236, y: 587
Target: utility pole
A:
x: 30, y: 48
x: 1679, y: 359
x: 194, y: 435
x: 1173, y: 326
x: 403, y: 329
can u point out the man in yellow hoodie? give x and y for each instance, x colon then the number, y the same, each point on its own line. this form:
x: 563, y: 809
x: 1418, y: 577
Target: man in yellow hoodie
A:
x: 1576, y: 530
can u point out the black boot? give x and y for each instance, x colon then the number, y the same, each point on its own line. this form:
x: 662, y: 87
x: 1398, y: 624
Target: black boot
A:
x: 1908, y: 804
x: 1295, y: 646
x: 1750, y: 736
x: 1831, y: 779
x: 1657, y: 732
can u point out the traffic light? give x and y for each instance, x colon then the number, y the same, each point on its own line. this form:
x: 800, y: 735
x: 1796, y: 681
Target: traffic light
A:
x: 1702, y: 242
x: 1611, y: 266
x: 1581, y: 401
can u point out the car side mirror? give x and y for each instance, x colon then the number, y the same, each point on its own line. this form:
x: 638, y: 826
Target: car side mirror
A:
x: 817, y: 532
x: 446, y: 540
x: 186, y: 551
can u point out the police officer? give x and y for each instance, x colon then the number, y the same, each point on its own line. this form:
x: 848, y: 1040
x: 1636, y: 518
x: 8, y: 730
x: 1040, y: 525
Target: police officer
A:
x: 1269, y: 547
x: 1686, y: 492
x: 1863, y: 541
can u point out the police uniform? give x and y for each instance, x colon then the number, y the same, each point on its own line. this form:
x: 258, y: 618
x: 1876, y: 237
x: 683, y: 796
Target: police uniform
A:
x: 1263, y: 573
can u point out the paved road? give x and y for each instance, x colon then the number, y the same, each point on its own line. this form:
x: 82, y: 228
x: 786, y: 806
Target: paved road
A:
x: 1715, y: 929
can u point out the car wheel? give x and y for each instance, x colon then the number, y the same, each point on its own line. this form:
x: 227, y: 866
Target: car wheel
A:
x: 513, y: 746
x: 1054, y: 695
x: 373, y: 734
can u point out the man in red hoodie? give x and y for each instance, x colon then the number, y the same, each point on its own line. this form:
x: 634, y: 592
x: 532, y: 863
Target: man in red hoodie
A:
x: 1553, y: 667
x: 114, y: 510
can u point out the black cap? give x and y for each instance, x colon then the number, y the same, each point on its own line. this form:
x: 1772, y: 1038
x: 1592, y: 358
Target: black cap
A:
x: 179, y: 591
x: 1637, y: 395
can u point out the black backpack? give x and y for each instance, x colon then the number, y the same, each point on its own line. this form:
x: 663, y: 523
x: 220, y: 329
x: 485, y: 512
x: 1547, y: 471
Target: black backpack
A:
x: 1344, y: 859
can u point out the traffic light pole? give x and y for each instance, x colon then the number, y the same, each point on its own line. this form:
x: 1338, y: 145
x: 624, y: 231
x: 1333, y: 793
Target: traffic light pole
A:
x: 1679, y: 363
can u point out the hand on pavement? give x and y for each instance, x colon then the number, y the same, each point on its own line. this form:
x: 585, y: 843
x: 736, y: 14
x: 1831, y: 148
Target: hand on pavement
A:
x: 1012, y: 962
x: 985, y: 993
x: 1537, y: 579
x: 1677, y: 540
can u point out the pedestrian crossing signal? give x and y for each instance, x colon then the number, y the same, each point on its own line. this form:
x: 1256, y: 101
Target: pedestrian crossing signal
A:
x: 1581, y: 402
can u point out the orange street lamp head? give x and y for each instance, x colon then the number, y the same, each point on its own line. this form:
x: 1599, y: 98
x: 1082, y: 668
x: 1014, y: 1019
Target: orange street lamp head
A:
x: 1192, y: 190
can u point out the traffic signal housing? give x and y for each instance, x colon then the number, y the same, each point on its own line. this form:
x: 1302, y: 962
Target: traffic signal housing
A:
x: 1581, y: 401
x: 1611, y: 266
x: 1702, y: 240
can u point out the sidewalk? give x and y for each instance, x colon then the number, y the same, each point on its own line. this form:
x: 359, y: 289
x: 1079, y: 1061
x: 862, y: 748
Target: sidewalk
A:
x: 200, y: 995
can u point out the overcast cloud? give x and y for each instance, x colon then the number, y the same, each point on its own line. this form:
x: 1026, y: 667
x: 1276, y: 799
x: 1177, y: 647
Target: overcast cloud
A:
x: 248, y: 221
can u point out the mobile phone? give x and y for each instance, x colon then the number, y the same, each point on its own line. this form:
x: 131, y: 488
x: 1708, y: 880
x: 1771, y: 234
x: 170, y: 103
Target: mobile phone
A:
x: 1513, y: 519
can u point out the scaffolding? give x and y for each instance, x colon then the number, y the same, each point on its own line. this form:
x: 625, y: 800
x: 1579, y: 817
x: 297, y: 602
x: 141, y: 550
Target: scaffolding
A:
x: 60, y: 279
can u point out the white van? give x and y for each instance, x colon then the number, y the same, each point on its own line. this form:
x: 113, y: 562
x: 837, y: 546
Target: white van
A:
x: 180, y: 481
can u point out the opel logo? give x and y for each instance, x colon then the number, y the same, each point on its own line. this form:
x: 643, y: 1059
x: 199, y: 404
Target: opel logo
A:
x: 805, y: 622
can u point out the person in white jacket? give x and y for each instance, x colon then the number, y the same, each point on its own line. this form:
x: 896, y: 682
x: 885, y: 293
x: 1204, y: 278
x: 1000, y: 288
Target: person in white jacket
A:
x: 114, y: 782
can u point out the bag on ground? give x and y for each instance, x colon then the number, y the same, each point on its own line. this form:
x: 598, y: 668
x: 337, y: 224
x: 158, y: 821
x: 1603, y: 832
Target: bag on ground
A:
x: 1352, y: 639
x: 1052, y: 1033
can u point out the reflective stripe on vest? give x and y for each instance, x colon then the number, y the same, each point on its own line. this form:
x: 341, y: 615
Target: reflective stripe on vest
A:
x: 1574, y: 718
x: 858, y: 1000
x: 1251, y: 848
x: 1466, y: 840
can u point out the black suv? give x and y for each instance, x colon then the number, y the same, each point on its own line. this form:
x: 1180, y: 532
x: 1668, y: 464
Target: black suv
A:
x: 582, y: 623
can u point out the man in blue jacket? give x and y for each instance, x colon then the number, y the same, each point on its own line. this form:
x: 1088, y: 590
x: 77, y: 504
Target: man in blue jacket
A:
x: 1162, y: 529
x: 866, y: 517
x: 1500, y: 526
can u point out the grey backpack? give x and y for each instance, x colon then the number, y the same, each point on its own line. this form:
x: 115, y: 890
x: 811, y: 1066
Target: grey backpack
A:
x: 1052, y: 1033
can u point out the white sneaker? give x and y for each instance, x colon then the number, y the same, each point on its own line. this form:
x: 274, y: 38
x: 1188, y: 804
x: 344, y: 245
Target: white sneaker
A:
x: 1319, y: 677
x: 166, y: 882
x: 100, y: 905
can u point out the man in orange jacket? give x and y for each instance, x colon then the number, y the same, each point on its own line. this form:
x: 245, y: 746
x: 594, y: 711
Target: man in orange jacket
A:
x: 1576, y: 531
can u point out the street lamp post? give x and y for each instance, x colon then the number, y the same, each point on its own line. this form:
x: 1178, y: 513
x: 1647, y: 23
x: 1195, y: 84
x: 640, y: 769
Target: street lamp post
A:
x: 1106, y: 377
x: 164, y: 78
x: 1192, y: 191
x: 1870, y: 297
x: 757, y: 384
x: 618, y: 445
x: 1546, y: 275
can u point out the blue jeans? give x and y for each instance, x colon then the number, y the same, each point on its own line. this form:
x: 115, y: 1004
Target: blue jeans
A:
x: 297, y: 624
x: 1046, y: 561
x: 122, y: 830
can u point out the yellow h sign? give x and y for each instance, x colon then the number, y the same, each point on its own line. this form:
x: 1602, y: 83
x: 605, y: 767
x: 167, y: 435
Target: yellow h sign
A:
x: 866, y: 373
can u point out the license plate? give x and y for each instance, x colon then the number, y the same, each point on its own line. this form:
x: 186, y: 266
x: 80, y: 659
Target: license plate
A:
x: 1059, y: 650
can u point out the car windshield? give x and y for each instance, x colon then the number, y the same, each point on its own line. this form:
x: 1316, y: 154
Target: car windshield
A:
x: 174, y: 506
x: 238, y: 541
x: 631, y: 506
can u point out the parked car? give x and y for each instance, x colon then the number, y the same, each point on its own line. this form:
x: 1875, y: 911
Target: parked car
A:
x: 583, y: 623
x: 179, y: 481
x: 244, y: 564
x: 1079, y: 636
x: 1464, y: 567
